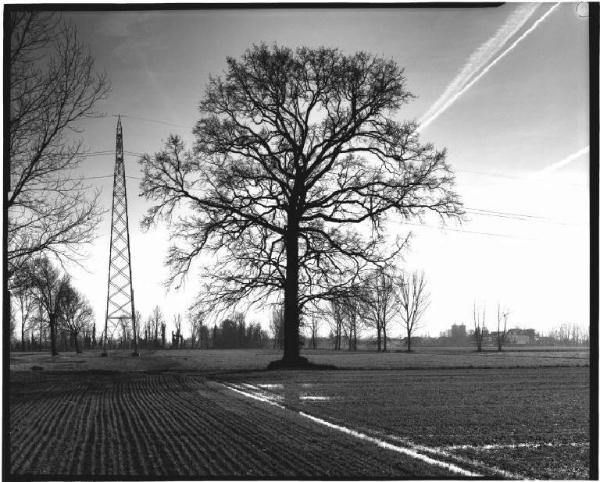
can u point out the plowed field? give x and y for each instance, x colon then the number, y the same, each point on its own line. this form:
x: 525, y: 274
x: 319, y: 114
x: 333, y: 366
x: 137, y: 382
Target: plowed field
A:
x: 522, y: 423
x: 182, y: 423
x: 171, y: 426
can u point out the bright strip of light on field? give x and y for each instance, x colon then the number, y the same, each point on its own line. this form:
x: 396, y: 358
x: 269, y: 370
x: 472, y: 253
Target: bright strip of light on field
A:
x: 380, y: 443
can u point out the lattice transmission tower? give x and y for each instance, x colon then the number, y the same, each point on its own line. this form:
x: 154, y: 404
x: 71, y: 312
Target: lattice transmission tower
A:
x: 120, y: 307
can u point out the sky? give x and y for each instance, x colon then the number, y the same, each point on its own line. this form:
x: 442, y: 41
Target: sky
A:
x: 524, y: 242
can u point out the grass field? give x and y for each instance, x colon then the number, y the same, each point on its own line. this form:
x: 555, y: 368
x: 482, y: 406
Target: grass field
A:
x: 219, y: 360
x: 220, y: 414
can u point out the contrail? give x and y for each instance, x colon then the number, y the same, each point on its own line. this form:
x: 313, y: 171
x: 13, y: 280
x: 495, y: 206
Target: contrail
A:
x: 453, y: 99
x: 565, y: 161
x: 484, y: 53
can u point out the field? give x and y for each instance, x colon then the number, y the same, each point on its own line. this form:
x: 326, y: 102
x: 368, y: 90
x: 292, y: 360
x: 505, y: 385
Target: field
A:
x: 219, y: 414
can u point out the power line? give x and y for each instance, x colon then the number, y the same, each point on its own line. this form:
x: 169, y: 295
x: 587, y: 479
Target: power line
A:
x: 108, y: 176
x: 145, y: 119
x: 506, y: 176
x: 466, y: 231
x: 476, y: 211
x: 519, y: 218
x: 521, y: 215
x: 490, y: 174
x: 108, y: 153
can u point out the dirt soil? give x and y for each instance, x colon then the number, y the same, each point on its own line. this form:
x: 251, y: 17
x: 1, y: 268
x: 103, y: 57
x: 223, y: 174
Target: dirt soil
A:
x: 173, y: 413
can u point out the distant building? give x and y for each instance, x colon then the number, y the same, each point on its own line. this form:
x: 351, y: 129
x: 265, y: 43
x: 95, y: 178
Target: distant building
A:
x: 458, y: 332
x: 517, y: 336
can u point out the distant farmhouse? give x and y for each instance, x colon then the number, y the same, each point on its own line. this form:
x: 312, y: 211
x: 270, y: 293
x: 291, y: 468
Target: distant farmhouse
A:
x: 517, y: 336
x: 458, y: 332
x: 458, y: 335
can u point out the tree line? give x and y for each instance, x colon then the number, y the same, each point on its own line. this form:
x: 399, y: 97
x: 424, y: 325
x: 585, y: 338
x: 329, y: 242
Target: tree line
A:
x: 48, y: 301
x: 383, y: 298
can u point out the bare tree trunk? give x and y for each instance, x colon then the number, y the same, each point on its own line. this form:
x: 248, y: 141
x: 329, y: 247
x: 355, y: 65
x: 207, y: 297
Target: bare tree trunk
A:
x: 77, y: 347
x: 378, y: 337
x: 384, y: 338
x: 291, y: 325
x: 41, y: 327
x: 53, y: 348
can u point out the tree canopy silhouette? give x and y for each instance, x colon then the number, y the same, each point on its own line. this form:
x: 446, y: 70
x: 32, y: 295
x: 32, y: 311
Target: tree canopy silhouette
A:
x: 297, y: 162
x: 52, y: 84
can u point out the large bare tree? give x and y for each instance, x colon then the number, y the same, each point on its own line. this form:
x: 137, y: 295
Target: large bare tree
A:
x: 414, y: 300
x: 52, y: 85
x: 297, y: 163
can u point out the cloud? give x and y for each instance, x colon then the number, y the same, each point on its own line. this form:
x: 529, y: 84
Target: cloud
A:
x: 468, y: 75
x: 125, y: 24
x: 567, y: 160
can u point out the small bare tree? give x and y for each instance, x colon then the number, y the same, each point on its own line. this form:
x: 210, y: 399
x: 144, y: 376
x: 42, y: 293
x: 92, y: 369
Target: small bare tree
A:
x: 276, y: 327
x: 382, y: 304
x: 196, y: 320
x: 414, y: 300
x: 502, y: 321
x: 335, y: 320
x: 155, y: 322
x: 177, y: 337
x: 313, y: 329
x: 49, y: 288
x: 353, y: 308
x: 478, y: 325
x: 75, y: 313
x: 138, y: 322
x: 26, y: 304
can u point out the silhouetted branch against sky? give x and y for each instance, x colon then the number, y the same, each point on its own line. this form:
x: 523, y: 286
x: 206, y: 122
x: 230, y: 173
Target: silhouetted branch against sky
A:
x: 294, y: 150
x: 522, y: 109
x: 53, y: 85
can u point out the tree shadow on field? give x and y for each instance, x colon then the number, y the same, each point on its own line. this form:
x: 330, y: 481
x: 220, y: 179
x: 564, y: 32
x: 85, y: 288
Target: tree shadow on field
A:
x: 301, y: 364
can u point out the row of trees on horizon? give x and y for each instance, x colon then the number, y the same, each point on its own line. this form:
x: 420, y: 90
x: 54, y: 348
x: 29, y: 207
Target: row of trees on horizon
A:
x: 51, y: 312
